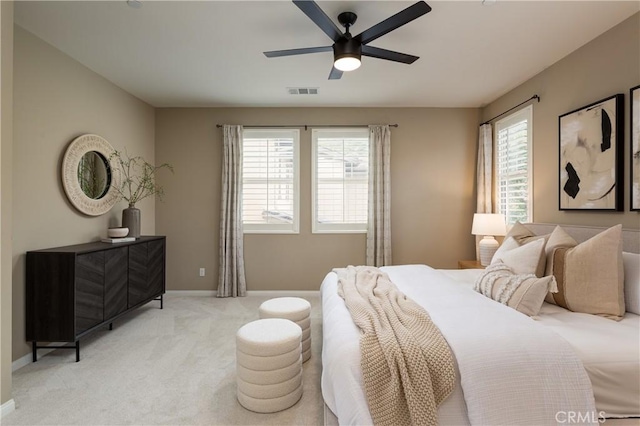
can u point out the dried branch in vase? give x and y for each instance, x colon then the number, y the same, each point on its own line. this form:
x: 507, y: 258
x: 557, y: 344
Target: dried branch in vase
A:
x: 138, y: 177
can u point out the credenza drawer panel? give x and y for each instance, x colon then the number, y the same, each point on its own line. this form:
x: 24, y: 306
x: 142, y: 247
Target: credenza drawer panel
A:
x: 116, y: 265
x: 89, y: 290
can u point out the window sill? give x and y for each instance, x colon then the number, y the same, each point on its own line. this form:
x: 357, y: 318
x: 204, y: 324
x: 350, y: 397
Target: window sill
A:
x: 339, y: 231
x: 279, y: 231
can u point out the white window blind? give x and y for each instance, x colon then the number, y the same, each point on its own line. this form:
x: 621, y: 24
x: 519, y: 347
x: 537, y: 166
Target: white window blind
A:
x: 513, y: 166
x: 270, y: 184
x: 340, y: 180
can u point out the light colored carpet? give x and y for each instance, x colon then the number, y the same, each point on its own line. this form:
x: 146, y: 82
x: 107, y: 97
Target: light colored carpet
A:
x: 171, y: 366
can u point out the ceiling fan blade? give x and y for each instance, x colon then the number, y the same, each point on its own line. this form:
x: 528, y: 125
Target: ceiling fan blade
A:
x: 313, y: 11
x: 335, y: 74
x: 303, y: 51
x: 389, y: 55
x: 393, y: 22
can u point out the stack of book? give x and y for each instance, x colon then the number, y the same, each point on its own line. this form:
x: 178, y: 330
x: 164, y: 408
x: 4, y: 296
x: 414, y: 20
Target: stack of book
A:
x: 118, y: 240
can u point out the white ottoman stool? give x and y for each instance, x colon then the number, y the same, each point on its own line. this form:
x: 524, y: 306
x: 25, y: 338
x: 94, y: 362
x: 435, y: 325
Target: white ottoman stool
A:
x: 269, y: 365
x: 295, y: 309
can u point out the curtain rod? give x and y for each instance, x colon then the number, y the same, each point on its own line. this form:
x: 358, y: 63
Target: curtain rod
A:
x: 511, y: 109
x: 306, y: 126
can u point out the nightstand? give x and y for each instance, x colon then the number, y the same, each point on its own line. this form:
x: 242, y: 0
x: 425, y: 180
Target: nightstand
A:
x: 470, y: 264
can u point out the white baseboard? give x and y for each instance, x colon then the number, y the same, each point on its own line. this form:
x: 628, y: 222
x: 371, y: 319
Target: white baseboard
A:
x: 21, y: 362
x: 283, y: 293
x: 7, y: 407
x: 206, y: 293
x: 28, y: 358
x: 262, y: 293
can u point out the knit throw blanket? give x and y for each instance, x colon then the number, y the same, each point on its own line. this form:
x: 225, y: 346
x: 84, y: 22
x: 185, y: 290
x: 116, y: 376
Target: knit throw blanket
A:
x: 407, y: 365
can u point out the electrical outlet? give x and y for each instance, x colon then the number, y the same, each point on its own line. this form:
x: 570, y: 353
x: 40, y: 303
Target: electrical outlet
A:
x: 202, y: 272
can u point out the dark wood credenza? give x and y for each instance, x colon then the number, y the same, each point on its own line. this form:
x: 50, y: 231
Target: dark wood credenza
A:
x: 74, y: 290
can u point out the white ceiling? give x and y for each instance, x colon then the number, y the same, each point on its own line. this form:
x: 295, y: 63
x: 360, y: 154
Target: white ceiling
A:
x: 209, y: 53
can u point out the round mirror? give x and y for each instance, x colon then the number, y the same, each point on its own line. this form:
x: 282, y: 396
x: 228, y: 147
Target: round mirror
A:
x: 94, y: 175
x: 88, y: 177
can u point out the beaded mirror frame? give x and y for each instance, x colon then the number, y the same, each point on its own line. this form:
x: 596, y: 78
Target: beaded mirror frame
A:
x: 76, y: 150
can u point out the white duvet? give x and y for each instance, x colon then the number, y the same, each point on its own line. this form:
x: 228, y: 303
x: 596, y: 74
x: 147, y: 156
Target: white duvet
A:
x: 609, y: 350
x: 511, y: 369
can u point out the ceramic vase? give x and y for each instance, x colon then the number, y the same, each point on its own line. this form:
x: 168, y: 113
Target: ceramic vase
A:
x: 131, y: 220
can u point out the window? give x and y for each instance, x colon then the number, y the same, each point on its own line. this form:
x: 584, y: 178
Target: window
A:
x: 270, y: 184
x: 340, y: 180
x: 513, y: 166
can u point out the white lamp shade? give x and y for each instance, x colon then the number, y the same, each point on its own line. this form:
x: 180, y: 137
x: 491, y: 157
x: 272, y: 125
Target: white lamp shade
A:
x: 488, y: 224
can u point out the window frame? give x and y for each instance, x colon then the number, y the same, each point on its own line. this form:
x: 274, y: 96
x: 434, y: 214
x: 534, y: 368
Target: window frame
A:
x: 527, y: 114
x: 335, y: 228
x: 273, y: 228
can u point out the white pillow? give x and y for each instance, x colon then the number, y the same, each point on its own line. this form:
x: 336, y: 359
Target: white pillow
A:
x: 508, y: 244
x: 522, y: 259
x: 524, y: 235
x: 631, y: 263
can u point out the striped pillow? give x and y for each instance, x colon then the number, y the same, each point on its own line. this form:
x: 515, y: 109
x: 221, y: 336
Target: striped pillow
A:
x: 524, y: 293
x: 590, y: 275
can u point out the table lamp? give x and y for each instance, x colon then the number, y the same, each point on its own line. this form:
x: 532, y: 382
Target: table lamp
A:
x: 488, y: 225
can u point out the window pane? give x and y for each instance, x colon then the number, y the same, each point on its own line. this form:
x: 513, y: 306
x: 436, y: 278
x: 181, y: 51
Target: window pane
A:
x: 341, y: 178
x: 269, y: 164
x: 513, y: 184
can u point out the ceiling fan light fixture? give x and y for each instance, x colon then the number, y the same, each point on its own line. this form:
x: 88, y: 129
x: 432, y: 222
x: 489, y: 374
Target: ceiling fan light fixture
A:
x: 347, y: 63
x: 347, y: 54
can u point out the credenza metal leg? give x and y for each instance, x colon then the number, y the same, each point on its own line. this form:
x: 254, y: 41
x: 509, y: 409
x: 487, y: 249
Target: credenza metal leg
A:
x: 35, y: 347
x: 161, y: 299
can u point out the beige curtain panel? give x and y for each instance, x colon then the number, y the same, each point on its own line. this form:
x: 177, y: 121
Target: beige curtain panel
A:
x: 485, y: 169
x: 232, y: 282
x: 379, y: 223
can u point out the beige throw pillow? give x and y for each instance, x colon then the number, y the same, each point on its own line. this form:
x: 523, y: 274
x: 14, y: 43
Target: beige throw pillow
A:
x: 523, y: 235
x: 590, y: 276
x: 524, y: 293
x: 558, y: 238
x: 523, y: 259
x: 519, y: 232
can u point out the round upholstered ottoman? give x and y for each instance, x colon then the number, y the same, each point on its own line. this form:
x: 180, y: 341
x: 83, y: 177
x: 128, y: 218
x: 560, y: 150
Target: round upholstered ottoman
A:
x: 269, y: 364
x: 295, y: 309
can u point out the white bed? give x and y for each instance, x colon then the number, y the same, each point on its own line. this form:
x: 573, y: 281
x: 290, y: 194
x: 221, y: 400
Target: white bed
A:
x: 609, y: 351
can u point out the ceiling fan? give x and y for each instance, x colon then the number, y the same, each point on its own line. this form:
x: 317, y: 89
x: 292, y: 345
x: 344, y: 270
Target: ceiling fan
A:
x: 347, y: 50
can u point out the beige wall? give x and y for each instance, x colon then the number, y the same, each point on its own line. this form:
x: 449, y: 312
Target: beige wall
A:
x: 607, y: 65
x: 432, y: 177
x: 6, y: 142
x: 57, y: 99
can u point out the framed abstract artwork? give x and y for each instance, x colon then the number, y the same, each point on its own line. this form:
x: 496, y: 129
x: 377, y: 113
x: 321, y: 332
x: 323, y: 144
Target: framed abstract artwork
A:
x: 591, y: 156
x: 634, y: 102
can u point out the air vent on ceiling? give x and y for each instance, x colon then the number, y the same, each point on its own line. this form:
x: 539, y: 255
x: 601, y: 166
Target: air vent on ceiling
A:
x: 302, y: 90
